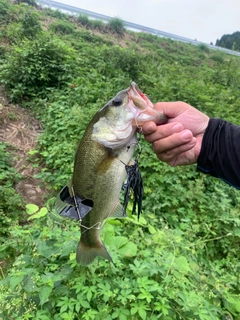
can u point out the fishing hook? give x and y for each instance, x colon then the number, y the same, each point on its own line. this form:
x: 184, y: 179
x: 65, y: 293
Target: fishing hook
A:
x: 137, y: 144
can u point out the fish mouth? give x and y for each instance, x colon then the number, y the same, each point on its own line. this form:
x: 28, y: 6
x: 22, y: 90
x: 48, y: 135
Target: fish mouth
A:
x: 126, y: 112
x: 144, y: 108
x: 138, y: 97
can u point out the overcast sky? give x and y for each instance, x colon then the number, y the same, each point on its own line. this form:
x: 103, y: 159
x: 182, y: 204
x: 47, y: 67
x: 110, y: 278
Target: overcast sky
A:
x: 204, y: 20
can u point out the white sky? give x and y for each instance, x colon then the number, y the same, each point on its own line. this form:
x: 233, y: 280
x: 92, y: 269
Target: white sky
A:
x: 204, y: 20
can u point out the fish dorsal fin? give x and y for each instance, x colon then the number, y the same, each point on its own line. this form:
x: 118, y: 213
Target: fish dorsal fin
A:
x: 118, y: 211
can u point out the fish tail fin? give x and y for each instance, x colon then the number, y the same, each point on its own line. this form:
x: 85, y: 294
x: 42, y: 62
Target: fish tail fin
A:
x: 86, y: 254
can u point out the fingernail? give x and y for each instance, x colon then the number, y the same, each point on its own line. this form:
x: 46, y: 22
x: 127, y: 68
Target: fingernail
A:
x: 186, y: 135
x: 177, y: 128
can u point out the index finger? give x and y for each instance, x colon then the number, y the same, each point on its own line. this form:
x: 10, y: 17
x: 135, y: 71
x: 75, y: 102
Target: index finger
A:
x: 149, y: 127
x: 161, y: 131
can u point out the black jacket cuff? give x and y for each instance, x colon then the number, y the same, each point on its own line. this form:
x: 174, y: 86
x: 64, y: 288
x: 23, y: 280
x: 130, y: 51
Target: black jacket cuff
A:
x: 220, y: 151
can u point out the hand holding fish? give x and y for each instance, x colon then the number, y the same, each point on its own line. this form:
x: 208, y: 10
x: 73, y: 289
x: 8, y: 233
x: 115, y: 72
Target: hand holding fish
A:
x: 178, y: 142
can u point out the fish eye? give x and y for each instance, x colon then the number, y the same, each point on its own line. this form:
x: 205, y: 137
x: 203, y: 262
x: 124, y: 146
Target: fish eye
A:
x: 117, y: 102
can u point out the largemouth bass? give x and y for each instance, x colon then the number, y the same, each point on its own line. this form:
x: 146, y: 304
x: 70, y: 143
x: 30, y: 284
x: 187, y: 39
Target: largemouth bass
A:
x: 99, y: 170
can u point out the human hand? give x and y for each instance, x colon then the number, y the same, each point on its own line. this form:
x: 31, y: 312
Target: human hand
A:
x: 178, y: 142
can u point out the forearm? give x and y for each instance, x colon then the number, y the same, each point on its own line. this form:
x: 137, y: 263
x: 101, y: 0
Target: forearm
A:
x: 220, y: 151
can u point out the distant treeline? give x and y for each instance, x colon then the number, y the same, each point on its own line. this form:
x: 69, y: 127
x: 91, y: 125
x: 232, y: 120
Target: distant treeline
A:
x: 230, y: 41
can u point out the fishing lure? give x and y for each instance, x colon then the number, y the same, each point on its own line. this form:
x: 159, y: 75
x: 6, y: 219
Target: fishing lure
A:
x: 134, y: 185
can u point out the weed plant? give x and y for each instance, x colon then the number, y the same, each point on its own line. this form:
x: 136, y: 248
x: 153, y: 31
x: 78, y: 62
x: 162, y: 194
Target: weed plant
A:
x: 11, y: 205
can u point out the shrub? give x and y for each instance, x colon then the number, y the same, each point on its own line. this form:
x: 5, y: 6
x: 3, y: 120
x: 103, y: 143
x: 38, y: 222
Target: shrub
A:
x: 6, y: 10
x: 34, y: 65
x: 128, y: 61
x: 55, y: 13
x: 218, y: 57
x: 203, y: 47
x: 116, y: 25
x: 62, y: 27
x: 84, y: 20
x: 30, y: 24
x: 4, y: 6
x: 99, y: 25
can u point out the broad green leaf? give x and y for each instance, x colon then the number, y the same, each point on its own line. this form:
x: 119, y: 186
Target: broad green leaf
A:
x: 41, y: 213
x: 15, y: 280
x: 120, y: 241
x: 31, y: 208
x: 85, y: 304
x: 46, y: 249
x: 29, y: 285
x: 44, y: 293
x: 234, y: 301
x: 61, y: 290
x: 68, y: 247
x: 108, y: 233
x: 31, y: 152
x: 151, y: 229
x: 142, y: 313
x: 128, y: 250
x: 181, y: 264
x: 115, y: 222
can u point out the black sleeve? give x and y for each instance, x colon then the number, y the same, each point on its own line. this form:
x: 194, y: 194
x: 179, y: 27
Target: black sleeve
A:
x: 220, y: 151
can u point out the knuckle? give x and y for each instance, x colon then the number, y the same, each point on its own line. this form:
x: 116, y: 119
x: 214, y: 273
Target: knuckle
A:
x: 156, y: 145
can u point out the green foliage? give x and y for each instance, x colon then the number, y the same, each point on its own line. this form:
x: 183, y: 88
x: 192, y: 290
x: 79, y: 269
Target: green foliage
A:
x: 4, y: 7
x: 181, y: 259
x: 84, y: 20
x: 10, y: 202
x: 116, y: 25
x: 203, y: 47
x: 121, y: 60
x: 55, y: 13
x: 30, y: 2
x: 166, y: 280
x: 215, y: 224
x: 2, y: 51
x: 34, y: 65
x: 6, y: 12
x: 31, y: 26
x: 34, y: 212
x: 230, y: 41
x: 62, y: 27
x: 24, y: 23
x: 99, y: 25
x: 218, y: 57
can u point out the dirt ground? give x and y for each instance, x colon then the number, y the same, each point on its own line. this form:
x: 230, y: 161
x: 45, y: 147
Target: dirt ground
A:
x: 19, y: 129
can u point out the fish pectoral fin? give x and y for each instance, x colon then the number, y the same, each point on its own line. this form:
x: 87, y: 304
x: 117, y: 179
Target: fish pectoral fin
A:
x: 105, y: 162
x: 118, y: 212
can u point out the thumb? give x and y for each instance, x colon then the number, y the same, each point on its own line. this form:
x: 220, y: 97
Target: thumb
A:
x: 172, y: 109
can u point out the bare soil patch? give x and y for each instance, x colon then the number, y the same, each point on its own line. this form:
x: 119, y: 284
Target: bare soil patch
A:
x: 19, y: 129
